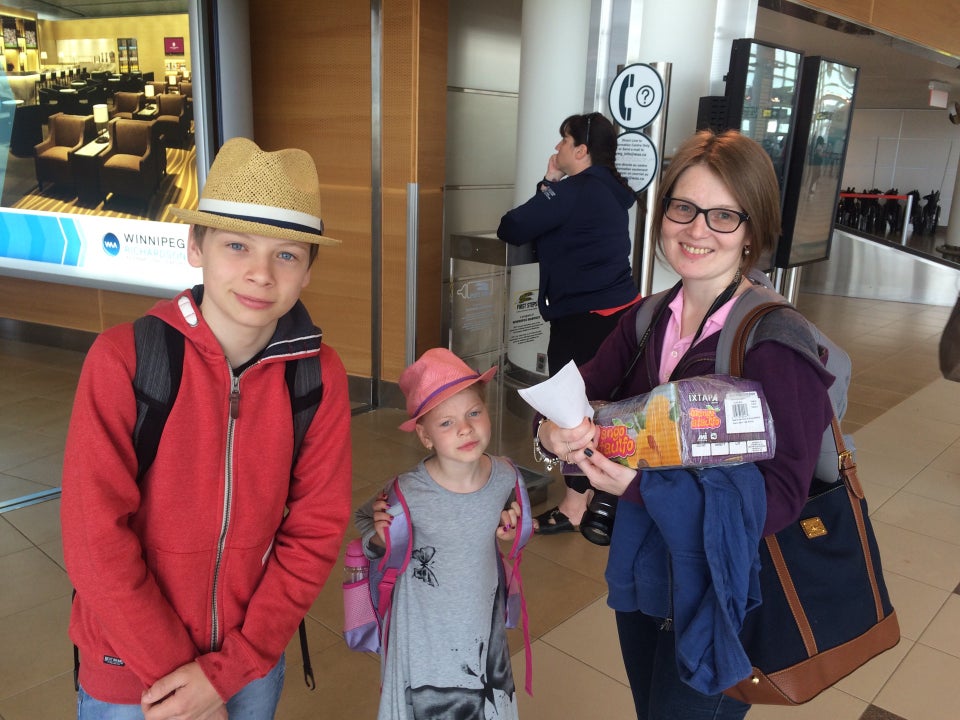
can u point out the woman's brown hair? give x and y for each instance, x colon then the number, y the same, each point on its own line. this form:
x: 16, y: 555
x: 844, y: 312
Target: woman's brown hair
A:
x: 746, y: 170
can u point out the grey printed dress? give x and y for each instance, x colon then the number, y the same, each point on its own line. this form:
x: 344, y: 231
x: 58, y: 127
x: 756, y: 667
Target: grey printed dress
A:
x: 447, y: 655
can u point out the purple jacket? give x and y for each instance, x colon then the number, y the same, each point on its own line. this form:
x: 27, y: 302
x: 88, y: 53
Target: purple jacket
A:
x: 794, y: 385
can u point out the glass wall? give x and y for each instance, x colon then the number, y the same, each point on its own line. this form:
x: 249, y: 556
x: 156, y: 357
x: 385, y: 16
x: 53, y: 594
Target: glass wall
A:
x: 97, y: 143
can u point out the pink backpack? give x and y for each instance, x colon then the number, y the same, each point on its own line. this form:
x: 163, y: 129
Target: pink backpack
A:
x: 367, y: 601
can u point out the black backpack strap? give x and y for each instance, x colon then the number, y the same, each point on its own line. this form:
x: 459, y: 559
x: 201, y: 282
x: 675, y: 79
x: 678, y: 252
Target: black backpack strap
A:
x: 305, y: 385
x: 76, y: 652
x: 305, y: 653
x: 156, y: 383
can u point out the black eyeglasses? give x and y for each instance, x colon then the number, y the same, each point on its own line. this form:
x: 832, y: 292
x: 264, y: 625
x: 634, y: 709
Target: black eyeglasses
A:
x: 721, y: 220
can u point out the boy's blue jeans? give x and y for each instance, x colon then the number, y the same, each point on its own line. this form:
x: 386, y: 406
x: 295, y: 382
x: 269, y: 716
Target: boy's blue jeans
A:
x: 257, y: 701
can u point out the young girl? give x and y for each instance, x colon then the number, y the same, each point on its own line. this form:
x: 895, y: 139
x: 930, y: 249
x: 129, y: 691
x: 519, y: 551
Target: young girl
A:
x: 447, y: 647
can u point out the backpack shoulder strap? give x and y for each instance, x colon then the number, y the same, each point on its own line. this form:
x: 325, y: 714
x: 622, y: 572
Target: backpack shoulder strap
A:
x: 525, y: 529
x: 649, y: 312
x: 305, y: 385
x: 157, y: 379
x: 745, y: 306
x: 739, y: 340
x: 398, y: 537
x: 156, y: 382
x: 399, y: 533
x: 791, y: 328
x: 516, y: 603
x: 649, y: 306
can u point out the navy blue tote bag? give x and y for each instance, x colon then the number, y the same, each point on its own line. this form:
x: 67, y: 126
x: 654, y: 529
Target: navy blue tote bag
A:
x: 825, y: 609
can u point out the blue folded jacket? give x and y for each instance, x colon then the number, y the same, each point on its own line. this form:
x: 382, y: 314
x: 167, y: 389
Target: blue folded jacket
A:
x: 690, y: 552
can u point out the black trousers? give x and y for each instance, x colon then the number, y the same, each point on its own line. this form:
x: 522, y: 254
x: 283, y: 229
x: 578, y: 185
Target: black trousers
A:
x: 578, y: 337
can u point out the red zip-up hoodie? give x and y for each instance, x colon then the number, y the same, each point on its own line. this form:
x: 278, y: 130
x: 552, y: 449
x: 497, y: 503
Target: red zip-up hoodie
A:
x: 218, y: 553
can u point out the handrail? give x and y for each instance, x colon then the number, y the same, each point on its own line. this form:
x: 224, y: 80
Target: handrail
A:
x: 874, y: 195
x: 906, y: 215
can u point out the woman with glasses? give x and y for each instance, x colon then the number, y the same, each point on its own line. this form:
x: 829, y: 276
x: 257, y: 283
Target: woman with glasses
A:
x: 718, y: 211
x: 578, y: 225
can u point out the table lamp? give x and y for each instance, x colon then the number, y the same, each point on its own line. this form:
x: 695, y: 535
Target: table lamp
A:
x: 101, y: 117
x: 150, y: 91
x: 43, y: 58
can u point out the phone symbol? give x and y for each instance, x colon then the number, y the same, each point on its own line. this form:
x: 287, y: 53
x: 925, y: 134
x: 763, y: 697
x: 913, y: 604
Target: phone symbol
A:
x: 625, y: 112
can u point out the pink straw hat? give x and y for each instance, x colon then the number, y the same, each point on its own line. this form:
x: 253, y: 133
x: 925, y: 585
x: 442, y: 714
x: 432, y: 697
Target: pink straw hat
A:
x: 437, y: 375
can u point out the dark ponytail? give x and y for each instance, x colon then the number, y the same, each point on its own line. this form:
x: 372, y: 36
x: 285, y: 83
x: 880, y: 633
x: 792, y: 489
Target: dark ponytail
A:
x: 600, y: 137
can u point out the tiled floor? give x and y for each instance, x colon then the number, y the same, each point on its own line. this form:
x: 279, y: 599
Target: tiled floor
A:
x: 906, y: 425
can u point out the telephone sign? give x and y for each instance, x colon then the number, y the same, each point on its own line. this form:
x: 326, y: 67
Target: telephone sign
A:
x: 636, y: 96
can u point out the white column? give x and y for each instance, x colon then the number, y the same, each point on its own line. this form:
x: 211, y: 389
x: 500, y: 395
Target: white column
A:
x: 553, y: 64
x: 553, y: 68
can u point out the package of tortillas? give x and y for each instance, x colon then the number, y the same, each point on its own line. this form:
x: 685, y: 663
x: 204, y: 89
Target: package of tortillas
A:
x: 707, y: 420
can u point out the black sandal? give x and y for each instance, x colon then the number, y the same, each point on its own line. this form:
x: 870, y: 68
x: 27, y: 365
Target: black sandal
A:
x: 553, y: 522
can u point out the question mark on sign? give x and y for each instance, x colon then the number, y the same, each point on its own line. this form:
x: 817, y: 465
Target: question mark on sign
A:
x: 645, y: 96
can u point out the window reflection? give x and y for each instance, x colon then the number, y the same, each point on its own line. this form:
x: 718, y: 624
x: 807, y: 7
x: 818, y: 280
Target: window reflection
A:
x: 767, y: 76
x: 60, y: 77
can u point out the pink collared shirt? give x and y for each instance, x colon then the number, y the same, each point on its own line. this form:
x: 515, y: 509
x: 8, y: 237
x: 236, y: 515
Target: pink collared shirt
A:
x: 674, y: 346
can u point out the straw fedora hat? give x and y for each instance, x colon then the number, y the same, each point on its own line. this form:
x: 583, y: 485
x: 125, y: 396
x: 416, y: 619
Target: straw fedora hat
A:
x: 249, y: 190
x: 436, y: 376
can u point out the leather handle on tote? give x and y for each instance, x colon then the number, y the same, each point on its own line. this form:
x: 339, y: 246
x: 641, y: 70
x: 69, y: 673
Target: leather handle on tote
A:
x: 750, y: 320
x: 847, y: 468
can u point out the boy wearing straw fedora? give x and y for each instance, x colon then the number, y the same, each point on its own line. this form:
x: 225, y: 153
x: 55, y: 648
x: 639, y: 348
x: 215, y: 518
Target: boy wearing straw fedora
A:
x: 192, y: 573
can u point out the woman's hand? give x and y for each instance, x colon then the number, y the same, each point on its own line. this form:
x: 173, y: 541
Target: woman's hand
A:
x: 554, y: 173
x: 564, y: 442
x: 603, y: 473
x: 579, y: 446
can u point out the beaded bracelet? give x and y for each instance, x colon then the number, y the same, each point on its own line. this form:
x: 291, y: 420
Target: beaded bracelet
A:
x: 549, y: 460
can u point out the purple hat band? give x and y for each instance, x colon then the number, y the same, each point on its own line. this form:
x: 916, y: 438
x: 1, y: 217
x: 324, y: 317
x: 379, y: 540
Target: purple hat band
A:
x: 441, y: 389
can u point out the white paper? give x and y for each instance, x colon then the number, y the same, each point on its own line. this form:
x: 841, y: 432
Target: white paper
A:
x: 562, y: 398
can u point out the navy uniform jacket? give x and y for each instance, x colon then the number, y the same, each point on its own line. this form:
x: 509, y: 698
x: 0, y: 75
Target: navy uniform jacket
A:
x: 578, y: 227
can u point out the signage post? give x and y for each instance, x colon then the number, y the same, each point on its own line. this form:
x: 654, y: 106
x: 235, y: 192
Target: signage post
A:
x: 637, y: 100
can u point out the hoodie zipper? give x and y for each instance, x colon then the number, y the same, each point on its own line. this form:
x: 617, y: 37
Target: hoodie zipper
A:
x: 227, y: 508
